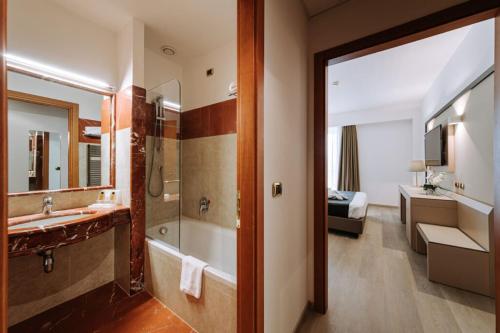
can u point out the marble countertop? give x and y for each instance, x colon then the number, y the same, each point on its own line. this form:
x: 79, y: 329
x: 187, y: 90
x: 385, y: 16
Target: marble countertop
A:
x: 419, y: 193
x: 36, y: 238
x: 86, y: 213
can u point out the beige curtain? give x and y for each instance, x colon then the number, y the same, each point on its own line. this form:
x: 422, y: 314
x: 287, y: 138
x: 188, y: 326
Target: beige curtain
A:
x: 349, y: 166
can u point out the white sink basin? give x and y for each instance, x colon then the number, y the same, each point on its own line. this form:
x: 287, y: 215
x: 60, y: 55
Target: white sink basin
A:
x: 41, y: 223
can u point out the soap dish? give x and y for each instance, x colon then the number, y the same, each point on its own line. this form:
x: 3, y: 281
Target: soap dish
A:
x: 102, y: 206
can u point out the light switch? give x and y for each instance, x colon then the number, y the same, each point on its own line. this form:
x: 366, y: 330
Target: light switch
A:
x: 277, y: 189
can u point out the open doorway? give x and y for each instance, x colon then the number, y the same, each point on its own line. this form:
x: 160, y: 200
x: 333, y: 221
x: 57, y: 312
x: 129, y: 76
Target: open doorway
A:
x: 397, y: 136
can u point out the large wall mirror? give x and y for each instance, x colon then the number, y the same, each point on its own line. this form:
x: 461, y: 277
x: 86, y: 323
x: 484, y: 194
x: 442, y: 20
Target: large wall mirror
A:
x: 59, y: 135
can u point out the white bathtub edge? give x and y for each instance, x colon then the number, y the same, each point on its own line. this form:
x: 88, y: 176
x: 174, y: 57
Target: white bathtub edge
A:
x: 218, y: 275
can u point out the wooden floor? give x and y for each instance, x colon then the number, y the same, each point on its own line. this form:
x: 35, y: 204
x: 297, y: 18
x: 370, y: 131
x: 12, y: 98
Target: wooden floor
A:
x: 378, y: 284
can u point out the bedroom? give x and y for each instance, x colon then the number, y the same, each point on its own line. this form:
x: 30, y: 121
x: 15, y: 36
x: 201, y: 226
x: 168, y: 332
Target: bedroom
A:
x: 420, y: 113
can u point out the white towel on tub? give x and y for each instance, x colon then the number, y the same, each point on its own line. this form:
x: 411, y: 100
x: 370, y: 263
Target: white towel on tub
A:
x: 191, y: 274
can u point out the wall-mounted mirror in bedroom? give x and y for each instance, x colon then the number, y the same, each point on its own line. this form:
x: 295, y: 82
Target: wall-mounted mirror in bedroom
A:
x: 59, y: 136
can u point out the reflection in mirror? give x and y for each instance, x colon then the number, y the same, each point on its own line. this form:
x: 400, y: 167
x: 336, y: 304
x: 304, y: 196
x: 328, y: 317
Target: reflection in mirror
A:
x: 68, y: 129
x: 44, y: 169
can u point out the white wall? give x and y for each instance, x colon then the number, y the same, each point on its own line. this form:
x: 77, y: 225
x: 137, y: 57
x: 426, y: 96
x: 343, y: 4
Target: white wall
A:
x: 474, y: 137
x: 24, y: 117
x: 285, y: 227
x: 381, y: 114
x: 159, y: 69
x: 473, y: 144
x: 471, y: 59
x: 89, y: 104
x: 390, y: 113
x: 130, y: 57
x: 131, y: 71
x: 385, y: 152
x: 199, y: 90
x: 160, y: 75
x: 48, y: 33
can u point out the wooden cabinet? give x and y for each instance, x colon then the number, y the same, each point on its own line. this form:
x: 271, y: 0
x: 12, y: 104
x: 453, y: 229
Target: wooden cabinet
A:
x: 402, y: 207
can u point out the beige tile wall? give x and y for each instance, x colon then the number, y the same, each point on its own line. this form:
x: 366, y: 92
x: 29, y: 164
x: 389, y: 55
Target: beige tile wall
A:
x: 31, y: 204
x: 209, y: 169
x: 158, y: 211
x: 78, y: 269
x: 215, y: 311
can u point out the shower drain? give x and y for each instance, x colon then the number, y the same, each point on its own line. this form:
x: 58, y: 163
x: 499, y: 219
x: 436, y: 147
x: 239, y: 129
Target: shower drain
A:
x: 163, y: 230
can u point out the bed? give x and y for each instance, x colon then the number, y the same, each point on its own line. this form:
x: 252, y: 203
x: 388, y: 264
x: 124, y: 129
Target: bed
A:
x: 347, y: 211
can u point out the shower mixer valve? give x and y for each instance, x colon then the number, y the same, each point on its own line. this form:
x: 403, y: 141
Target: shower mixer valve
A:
x: 204, y: 205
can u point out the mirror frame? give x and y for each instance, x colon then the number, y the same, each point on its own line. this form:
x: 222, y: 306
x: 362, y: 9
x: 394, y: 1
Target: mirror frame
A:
x: 73, y: 118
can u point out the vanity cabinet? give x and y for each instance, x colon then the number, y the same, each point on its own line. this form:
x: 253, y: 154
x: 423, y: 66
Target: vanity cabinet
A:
x: 402, y: 206
x: 26, y: 237
x: 418, y: 207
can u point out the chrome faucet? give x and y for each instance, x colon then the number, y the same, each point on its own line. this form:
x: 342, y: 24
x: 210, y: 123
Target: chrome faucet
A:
x: 47, y: 205
x: 204, y: 205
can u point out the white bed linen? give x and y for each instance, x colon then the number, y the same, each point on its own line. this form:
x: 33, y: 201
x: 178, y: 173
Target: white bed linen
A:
x: 358, y: 205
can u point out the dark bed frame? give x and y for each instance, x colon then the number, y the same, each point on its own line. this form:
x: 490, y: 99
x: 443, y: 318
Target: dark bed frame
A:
x: 354, y: 226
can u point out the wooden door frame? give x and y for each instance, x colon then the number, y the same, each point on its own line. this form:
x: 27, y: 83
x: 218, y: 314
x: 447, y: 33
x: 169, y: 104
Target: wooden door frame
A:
x: 3, y: 169
x: 73, y: 115
x: 250, y: 235
x: 45, y: 168
x: 433, y: 24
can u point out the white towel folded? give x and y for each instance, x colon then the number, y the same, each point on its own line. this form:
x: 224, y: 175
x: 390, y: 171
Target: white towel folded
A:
x: 167, y: 197
x: 92, y: 131
x: 232, y: 89
x: 191, y: 274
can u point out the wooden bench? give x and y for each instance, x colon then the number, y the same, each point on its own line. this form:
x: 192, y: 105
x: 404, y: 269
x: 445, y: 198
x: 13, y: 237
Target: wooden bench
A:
x: 461, y: 255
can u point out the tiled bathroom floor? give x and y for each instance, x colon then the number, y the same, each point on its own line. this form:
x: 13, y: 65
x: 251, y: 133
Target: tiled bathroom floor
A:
x: 107, y: 309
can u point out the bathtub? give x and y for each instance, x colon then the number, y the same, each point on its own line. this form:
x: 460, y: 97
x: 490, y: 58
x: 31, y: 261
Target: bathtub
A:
x: 206, y: 241
x: 215, y: 311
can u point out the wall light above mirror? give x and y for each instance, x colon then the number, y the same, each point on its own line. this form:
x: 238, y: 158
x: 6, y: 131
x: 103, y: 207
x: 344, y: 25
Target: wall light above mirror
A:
x: 59, y: 135
x: 49, y: 72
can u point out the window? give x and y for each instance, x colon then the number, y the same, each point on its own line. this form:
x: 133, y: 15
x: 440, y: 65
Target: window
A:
x: 333, y: 150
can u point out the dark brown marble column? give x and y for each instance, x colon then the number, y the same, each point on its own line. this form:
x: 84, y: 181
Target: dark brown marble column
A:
x: 131, y: 111
x: 138, y: 189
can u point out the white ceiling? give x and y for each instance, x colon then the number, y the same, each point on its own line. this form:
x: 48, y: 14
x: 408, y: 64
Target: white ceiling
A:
x: 193, y: 27
x: 314, y: 7
x: 395, y: 76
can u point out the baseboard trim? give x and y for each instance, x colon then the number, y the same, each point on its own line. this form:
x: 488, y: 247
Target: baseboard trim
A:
x: 382, y: 205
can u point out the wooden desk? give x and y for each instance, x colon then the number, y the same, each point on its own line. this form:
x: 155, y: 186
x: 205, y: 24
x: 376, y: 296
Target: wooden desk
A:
x: 418, y: 207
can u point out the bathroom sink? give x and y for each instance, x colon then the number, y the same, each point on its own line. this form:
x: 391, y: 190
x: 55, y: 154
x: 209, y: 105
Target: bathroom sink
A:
x: 29, y: 234
x: 44, y: 221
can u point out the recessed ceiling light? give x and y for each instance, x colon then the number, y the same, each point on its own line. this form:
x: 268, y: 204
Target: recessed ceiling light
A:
x: 168, y: 50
